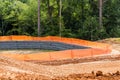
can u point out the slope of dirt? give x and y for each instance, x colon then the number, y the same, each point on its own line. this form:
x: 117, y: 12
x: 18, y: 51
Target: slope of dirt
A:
x: 115, y: 42
x: 14, y: 69
x: 93, y: 68
x: 114, y: 55
x: 110, y: 57
x: 92, y: 76
x: 23, y: 51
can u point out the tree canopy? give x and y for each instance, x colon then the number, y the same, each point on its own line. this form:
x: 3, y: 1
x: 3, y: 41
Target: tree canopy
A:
x: 79, y: 18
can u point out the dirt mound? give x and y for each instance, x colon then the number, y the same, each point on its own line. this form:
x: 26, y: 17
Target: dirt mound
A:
x: 19, y: 76
x: 14, y: 69
x: 86, y: 76
x: 92, y: 68
x: 92, y: 76
x: 110, y: 40
x: 115, y: 42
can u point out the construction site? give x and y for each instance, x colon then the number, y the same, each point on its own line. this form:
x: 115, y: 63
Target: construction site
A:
x: 58, y: 58
x: 59, y: 39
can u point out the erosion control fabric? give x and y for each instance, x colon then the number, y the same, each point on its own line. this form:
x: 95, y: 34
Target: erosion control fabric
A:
x: 67, y: 48
x: 43, y: 45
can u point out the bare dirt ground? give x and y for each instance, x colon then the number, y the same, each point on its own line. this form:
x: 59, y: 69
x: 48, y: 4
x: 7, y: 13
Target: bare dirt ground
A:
x: 23, y: 51
x: 105, y: 67
x: 115, y: 42
x: 20, y: 70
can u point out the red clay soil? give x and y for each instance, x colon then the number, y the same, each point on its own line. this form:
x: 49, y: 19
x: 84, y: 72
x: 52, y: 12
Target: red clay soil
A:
x: 20, y: 70
x: 91, y: 68
x: 92, y: 76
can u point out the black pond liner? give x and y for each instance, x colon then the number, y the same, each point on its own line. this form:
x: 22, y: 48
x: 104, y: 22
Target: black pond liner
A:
x: 42, y: 45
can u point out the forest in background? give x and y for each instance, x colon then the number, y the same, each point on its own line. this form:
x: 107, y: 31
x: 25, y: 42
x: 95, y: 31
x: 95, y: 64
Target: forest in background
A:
x: 80, y: 18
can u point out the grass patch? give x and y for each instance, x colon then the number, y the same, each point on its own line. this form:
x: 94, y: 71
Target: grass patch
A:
x: 116, y: 40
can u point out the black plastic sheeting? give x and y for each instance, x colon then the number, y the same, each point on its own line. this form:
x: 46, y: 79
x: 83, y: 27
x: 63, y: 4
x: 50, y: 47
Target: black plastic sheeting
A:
x: 43, y: 45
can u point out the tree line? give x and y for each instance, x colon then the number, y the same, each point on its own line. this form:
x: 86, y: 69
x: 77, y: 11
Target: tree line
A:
x: 79, y: 18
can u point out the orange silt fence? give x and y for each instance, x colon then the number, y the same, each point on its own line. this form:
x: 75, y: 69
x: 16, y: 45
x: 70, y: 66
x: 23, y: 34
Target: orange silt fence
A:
x: 81, y: 53
x: 95, y: 48
x: 37, y: 56
x: 37, y: 38
x: 60, y: 55
x: 5, y: 38
x: 98, y: 52
x: 21, y: 38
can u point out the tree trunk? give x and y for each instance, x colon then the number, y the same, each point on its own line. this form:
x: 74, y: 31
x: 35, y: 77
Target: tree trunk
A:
x: 39, y: 18
x: 100, y: 13
x: 60, y: 24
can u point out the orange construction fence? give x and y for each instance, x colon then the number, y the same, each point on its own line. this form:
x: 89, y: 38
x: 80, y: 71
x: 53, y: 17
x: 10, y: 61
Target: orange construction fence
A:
x: 96, y: 48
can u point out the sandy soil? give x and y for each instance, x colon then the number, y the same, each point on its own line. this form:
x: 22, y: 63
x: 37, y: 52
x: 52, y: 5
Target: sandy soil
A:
x: 92, y: 68
x: 21, y: 51
x: 13, y: 69
x: 115, y: 42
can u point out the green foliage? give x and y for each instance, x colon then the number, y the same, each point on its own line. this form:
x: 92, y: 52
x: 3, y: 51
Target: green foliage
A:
x: 79, y: 18
x: 112, y: 18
